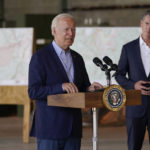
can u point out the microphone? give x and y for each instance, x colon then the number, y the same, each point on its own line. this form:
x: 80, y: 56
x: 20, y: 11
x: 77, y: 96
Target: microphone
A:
x: 114, y: 67
x: 99, y: 63
x: 105, y: 68
x: 109, y: 62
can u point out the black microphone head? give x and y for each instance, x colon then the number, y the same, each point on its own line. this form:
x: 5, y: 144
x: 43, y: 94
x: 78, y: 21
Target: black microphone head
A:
x: 114, y: 67
x: 104, y: 68
x: 108, y: 61
x: 97, y: 62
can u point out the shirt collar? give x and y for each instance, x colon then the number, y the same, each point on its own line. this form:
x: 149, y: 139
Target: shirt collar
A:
x: 144, y: 48
x: 58, y: 49
x: 142, y: 41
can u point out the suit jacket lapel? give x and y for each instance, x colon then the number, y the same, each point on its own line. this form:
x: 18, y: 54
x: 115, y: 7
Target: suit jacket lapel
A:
x: 139, y: 58
x: 149, y: 76
x: 59, y: 64
x: 75, y: 65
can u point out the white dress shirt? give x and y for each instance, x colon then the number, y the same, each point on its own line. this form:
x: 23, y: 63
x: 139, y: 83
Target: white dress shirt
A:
x: 145, y: 55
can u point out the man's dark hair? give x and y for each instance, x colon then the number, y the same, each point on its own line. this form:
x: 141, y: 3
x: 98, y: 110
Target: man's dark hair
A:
x: 145, y: 14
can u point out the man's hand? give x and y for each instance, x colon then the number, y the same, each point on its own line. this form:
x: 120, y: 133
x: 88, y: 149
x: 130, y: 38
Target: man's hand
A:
x: 140, y: 86
x: 95, y: 86
x: 69, y: 87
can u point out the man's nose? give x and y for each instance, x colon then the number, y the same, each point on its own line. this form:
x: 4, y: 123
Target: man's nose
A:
x: 71, y: 32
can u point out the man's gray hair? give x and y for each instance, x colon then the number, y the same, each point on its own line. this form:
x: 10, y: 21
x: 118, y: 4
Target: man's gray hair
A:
x: 58, y: 17
x: 145, y: 14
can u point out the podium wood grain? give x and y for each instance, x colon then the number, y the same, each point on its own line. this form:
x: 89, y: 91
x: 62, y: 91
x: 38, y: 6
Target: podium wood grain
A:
x: 89, y: 99
x: 18, y: 95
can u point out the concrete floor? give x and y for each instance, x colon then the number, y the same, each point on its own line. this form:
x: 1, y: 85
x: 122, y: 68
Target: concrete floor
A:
x: 110, y: 137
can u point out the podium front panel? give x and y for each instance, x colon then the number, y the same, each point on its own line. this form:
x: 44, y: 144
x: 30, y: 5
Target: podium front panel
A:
x: 89, y: 99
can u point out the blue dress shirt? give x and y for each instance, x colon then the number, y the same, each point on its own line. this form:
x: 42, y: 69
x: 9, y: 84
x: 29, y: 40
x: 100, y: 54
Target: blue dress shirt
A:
x: 66, y: 59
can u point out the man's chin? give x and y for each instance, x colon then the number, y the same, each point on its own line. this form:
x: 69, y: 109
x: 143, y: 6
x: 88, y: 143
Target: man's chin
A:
x: 69, y: 43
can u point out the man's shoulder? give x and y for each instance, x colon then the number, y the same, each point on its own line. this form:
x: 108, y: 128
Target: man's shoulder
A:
x: 43, y: 52
x: 132, y: 43
x: 44, y: 49
x: 74, y: 53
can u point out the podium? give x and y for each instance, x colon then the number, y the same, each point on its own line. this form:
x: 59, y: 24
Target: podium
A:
x: 92, y: 100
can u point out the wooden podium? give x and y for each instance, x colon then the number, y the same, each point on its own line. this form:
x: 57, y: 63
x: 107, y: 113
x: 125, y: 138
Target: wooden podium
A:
x: 90, y: 100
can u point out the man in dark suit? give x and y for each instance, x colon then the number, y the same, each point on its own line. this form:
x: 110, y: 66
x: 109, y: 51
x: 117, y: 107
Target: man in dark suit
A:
x: 135, y: 63
x: 57, y: 69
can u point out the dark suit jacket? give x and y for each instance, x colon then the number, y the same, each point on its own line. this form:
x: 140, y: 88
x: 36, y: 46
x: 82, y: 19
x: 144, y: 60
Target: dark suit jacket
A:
x: 130, y: 64
x: 46, y: 75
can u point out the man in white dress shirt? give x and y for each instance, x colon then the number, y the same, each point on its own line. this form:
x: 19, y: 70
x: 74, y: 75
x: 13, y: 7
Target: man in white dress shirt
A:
x: 134, y: 73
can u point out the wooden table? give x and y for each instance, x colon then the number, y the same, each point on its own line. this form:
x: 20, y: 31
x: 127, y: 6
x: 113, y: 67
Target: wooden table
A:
x: 18, y: 95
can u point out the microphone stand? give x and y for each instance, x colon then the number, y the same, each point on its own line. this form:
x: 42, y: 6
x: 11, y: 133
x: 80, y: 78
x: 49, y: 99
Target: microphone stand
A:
x: 108, y: 77
x: 95, y: 111
x: 95, y: 114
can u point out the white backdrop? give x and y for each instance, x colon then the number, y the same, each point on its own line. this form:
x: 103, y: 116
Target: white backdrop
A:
x: 98, y: 42
x: 16, y: 46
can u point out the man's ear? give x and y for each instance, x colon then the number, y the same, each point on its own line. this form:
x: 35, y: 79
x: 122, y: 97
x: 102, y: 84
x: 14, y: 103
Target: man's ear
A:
x: 53, y: 31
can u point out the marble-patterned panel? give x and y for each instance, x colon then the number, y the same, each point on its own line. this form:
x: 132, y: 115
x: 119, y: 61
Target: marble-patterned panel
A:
x: 98, y: 42
x: 16, y: 46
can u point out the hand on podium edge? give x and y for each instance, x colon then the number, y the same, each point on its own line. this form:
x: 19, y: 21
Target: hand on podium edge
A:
x: 95, y: 86
x: 70, y: 87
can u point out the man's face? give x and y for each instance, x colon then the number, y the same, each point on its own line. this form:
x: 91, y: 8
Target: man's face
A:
x: 145, y: 24
x: 64, y: 33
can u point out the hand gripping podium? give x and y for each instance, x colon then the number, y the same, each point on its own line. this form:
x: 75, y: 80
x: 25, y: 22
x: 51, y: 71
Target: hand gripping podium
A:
x: 90, y: 100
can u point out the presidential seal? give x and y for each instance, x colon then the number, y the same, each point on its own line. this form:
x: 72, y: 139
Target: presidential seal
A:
x: 114, y: 97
